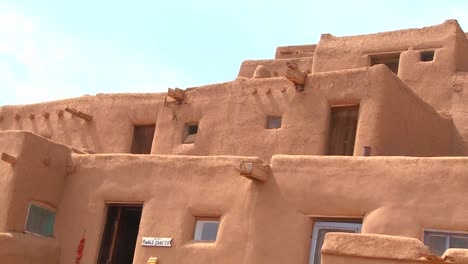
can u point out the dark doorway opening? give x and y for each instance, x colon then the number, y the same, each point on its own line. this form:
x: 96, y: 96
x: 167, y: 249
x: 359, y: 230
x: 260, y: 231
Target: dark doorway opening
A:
x: 342, y: 133
x: 142, y: 139
x: 392, y: 61
x: 120, y: 234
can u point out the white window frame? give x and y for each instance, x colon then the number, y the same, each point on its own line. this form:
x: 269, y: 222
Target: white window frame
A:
x: 199, y: 222
x: 330, y: 224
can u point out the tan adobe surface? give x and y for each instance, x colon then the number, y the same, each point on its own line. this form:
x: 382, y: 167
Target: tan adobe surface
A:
x: 413, y: 122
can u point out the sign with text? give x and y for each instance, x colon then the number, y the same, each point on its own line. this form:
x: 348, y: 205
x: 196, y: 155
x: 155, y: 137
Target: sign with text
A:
x: 157, y: 241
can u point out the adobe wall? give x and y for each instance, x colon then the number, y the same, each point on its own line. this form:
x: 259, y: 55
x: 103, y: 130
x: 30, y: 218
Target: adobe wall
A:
x: 11, y: 144
x: 431, y: 81
x: 173, y: 191
x: 110, y: 131
x: 341, y: 248
x: 26, y: 248
x: 232, y: 118
x: 393, y: 196
x: 39, y: 174
x: 396, y: 195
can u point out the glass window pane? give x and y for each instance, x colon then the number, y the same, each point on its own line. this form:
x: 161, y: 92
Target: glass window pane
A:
x: 437, y: 244
x: 321, y: 229
x: 206, y: 230
x: 40, y: 220
x: 273, y: 122
x: 459, y: 241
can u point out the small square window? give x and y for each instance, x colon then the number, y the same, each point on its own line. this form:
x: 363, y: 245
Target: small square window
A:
x: 206, y: 229
x: 190, y: 133
x: 427, y: 55
x: 273, y: 122
x: 40, y: 219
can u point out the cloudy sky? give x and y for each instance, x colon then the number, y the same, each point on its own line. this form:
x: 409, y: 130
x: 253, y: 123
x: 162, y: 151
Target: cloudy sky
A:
x: 54, y: 49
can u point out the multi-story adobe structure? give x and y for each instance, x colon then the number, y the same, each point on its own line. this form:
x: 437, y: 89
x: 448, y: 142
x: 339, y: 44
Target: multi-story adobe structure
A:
x: 363, y: 134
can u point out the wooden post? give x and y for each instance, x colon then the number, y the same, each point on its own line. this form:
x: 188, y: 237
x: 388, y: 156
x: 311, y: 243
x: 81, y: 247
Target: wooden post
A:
x: 254, y: 171
x: 177, y: 94
x: 79, y: 114
x: 8, y: 158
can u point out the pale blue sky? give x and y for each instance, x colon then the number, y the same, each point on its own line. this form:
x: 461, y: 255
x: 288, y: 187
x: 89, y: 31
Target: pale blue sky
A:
x: 58, y: 49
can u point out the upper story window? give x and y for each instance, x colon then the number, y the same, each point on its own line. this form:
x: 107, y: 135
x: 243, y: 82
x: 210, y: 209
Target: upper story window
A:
x: 273, y: 122
x: 142, y: 139
x: 427, y: 55
x: 439, y: 241
x: 40, y: 219
x: 190, y: 133
x: 391, y: 60
x: 321, y: 228
x: 206, y: 229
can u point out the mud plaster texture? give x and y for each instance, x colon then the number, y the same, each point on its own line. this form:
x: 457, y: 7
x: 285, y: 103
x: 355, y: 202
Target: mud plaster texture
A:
x: 414, y: 121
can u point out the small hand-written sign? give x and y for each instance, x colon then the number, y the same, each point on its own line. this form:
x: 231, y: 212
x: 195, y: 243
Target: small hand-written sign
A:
x: 157, y: 241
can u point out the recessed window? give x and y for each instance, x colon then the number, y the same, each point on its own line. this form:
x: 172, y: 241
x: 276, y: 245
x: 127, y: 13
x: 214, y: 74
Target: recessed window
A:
x: 142, y: 139
x: 439, y: 242
x: 40, y: 219
x: 391, y: 60
x: 206, y: 229
x: 342, y: 131
x: 190, y: 135
x: 273, y: 122
x: 427, y: 55
x: 321, y: 228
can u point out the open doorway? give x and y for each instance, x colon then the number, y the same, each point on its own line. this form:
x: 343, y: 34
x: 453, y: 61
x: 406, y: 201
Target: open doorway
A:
x: 120, y: 234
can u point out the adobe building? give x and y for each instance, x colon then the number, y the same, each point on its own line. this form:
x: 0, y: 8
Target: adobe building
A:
x: 363, y: 137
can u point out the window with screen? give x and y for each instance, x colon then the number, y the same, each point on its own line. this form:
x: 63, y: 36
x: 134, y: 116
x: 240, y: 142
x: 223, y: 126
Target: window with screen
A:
x: 206, y: 229
x: 321, y: 228
x: 40, y: 219
x: 439, y: 241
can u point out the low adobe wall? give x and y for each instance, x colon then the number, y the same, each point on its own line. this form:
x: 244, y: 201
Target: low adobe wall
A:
x: 340, y: 248
x: 24, y: 248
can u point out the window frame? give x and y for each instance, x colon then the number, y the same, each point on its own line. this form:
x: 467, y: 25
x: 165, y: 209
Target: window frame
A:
x: 275, y: 118
x: 206, y: 220
x: 336, y: 224
x: 41, y: 205
x: 443, y: 232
